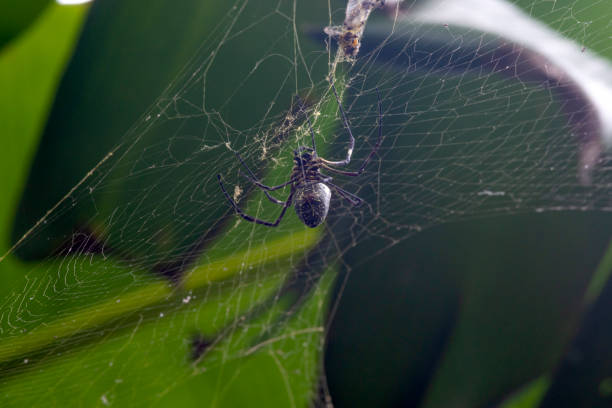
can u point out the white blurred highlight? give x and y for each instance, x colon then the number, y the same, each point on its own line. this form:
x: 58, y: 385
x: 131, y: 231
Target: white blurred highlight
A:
x: 71, y: 2
x: 592, y: 72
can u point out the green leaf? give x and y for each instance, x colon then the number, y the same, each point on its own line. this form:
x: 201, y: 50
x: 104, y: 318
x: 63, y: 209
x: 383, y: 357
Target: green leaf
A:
x: 476, y: 309
x: 30, y: 69
x: 529, y: 396
x: 117, y: 310
x: 141, y: 287
x: 16, y: 16
x: 122, y: 67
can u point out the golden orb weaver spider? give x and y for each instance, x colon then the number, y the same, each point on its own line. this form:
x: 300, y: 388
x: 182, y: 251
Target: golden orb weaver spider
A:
x: 310, y: 189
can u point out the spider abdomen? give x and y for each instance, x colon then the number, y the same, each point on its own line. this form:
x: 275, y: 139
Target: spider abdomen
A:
x: 311, y: 203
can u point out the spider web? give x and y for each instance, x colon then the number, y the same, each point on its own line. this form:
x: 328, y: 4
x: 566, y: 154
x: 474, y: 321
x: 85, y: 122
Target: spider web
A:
x: 142, y: 286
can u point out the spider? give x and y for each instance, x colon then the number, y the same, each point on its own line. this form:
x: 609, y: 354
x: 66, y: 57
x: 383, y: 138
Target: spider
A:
x: 310, y: 189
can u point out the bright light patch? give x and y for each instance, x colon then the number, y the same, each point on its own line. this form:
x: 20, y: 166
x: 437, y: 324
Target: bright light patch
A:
x: 71, y: 2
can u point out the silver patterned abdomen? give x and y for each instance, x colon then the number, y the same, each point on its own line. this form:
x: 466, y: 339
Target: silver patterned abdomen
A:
x: 312, y: 203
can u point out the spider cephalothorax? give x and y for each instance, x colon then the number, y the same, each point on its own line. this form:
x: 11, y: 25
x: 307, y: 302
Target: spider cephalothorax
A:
x: 310, y: 189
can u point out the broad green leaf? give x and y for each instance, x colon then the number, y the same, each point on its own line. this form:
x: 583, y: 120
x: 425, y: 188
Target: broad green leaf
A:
x: 519, y: 281
x: 30, y: 69
x: 149, y: 360
x: 137, y: 86
x: 16, y: 16
x: 153, y: 266
x: 529, y: 396
x: 114, y: 299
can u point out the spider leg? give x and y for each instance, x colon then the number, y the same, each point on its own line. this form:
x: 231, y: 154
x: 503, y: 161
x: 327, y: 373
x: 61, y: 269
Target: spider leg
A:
x: 349, y: 151
x: 345, y: 173
x: 312, y: 135
x: 350, y: 197
x: 273, y: 199
x: 374, y: 150
x: 257, y: 183
x: 249, y: 218
x: 268, y: 195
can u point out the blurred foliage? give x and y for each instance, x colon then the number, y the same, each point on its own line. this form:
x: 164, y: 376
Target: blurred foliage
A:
x: 118, y: 68
x: 476, y: 310
x: 17, y: 15
x: 463, y: 314
x: 30, y: 70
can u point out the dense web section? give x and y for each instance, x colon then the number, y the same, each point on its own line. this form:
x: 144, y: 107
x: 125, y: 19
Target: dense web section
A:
x: 157, y: 271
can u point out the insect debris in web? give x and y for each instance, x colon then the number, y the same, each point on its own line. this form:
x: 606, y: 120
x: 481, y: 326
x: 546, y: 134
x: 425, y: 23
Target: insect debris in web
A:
x: 350, y: 32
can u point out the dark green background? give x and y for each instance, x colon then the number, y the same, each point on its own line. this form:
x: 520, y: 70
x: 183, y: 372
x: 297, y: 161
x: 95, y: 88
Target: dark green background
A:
x: 461, y: 314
